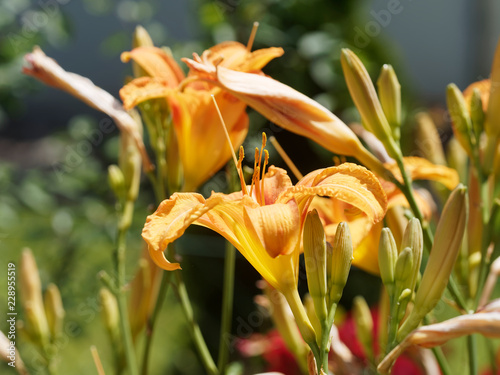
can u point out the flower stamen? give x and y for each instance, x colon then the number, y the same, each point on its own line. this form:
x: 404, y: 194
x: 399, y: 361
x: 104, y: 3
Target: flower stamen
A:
x: 252, y: 36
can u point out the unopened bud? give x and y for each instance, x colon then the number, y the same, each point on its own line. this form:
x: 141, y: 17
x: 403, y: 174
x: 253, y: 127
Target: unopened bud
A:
x: 341, y: 262
x: 141, y: 38
x: 462, y: 125
x: 314, y: 244
x: 116, y: 181
x: 31, y: 298
x: 404, y: 269
x: 387, y: 256
x: 313, y: 316
x: 457, y: 158
x: 492, y: 124
x: 477, y: 113
x: 389, y: 92
x: 366, y: 100
x: 447, y: 242
x: 364, y: 324
x: 54, y: 310
x: 428, y: 140
x: 414, y: 239
x: 110, y: 313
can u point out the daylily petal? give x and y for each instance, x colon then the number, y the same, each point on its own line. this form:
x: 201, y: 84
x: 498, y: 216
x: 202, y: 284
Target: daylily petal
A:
x: 276, y: 181
x: 275, y: 226
x: 422, y: 169
x: 49, y: 72
x: 202, y: 143
x: 348, y: 183
x: 291, y: 110
x: 157, y: 63
x: 231, y: 55
x: 365, y: 254
x: 224, y: 215
x: 144, y: 88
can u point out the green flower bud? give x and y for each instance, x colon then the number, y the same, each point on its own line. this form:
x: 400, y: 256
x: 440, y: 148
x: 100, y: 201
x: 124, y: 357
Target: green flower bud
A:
x: 314, y: 244
x: 116, y: 181
x: 403, y: 273
x: 414, y: 239
x: 462, y: 125
x: 366, y: 100
x: 364, y: 324
x: 428, y: 140
x: 477, y: 113
x: 447, y: 242
x: 110, y: 313
x: 387, y: 256
x: 389, y: 92
x: 54, y: 310
x: 341, y: 262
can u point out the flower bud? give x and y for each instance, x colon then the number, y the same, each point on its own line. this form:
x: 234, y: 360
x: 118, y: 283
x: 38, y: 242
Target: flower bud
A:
x: 31, y: 299
x: 341, y: 262
x: 366, y: 100
x: 447, y: 242
x: 457, y: 158
x: 141, y: 38
x: 462, y: 126
x: 428, y: 140
x: 314, y: 244
x: 403, y: 272
x: 477, y: 113
x: 54, y: 310
x: 389, y: 92
x: 387, y: 256
x: 110, y: 315
x: 492, y: 124
x: 364, y: 324
x: 414, y: 239
x: 116, y: 181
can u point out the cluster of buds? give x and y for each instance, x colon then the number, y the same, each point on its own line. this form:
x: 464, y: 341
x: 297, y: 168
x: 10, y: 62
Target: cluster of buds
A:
x: 327, y: 270
x: 44, y: 313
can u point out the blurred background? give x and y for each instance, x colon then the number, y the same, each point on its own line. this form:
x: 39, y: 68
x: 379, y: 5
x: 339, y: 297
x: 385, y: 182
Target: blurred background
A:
x: 66, y: 216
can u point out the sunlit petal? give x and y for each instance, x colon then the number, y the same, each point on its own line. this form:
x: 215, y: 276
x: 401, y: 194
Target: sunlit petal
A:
x: 144, y: 88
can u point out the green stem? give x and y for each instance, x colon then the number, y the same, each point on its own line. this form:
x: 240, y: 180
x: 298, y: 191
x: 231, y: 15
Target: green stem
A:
x: 165, y: 281
x: 227, y: 307
x: 393, y: 324
x: 122, y: 302
x: 194, y: 329
x: 472, y: 350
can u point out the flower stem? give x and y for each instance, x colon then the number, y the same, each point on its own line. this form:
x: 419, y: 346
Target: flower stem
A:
x: 122, y: 302
x: 194, y: 329
x: 227, y: 307
x: 165, y: 281
x: 472, y: 350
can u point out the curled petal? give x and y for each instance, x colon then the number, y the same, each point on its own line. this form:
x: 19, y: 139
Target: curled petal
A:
x: 157, y: 63
x: 422, y: 169
x: 291, y: 110
x: 487, y: 324
x: 141, y: 89
x: 275, y: 181
x: 49, y: 72
x: 348, y: 183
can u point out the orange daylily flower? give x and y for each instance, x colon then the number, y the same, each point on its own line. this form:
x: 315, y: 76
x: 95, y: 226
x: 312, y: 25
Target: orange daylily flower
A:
x: 264, y: 221
x: 200, y: 137
x: 287, y: 108
x: 365, y: 234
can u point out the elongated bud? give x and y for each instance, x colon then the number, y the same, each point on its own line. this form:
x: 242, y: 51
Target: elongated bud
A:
x: 366, y: 100
x: 116, y: 181
x: 389, y: 92
x: 457, y: 158
x: 314, y: 243
x: 341, y: 262
x: 364, y: 324
x: 387, y: 256
x: 447, y: 242
x: 54, y: 310
x: 403, y: 273
x: 110, y: 313
x: 428, y: 140
x: 492, y: 124
x: 31, y: 298
x: 477, y: 113
x: 462, y: 125
x: 414, y: 239
x: 8, y: 353
x: 313, y: 316
x: 141, y: 38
